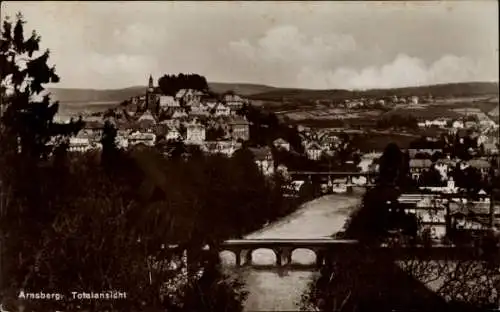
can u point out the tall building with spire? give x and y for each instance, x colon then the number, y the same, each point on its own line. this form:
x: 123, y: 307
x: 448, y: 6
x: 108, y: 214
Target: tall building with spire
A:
x: 151, y: 97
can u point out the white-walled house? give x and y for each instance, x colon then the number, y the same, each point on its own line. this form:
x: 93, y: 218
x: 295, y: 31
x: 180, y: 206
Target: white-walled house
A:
x: 137, y: 137
x: 313, y: 151
x: 78, y: 144
x: 195, y: 133
x: 264, y: 160
x: 168, y: 102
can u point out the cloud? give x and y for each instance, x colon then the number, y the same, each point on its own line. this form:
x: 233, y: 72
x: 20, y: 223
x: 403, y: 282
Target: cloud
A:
x: 325, y: 61
x: 403, y: 71
x: 109, y: 71
x: 287, y: 44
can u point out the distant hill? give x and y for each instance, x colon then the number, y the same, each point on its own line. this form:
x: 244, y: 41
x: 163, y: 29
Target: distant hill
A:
x: 67, y: 96
x: 268, y: 93
x: 441, y: 90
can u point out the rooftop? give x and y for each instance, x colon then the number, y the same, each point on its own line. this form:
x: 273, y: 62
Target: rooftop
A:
x: 420, y: 163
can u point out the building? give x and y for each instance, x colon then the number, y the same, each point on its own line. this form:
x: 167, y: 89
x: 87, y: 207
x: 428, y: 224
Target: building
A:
x: 152, y: 98
x: 240, y: 129
x: 78, y: 144
x: 414, y: 100
x: 313, y: 151
x: 281, y: 144
x: 470, y: 124
x: 264, y: 160
x: 412, y: 152
x: 167, y: 102
x: 233, y: 101
x: 179, y: 114
x: 365, y: 165
x: 188, y: 95
x: 146, y: 121
x: 93, y: 126
x: 172, y: 133
x: 210, y: 103
x: 417, y: 167
x: 121, y: 141
x: 195, y: 133
x: 221, y: 110
x: 226, y: 148
x: 137, y: 137
x: 198, y: 109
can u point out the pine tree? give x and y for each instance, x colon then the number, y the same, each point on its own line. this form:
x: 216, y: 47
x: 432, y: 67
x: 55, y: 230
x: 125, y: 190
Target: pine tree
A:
x: 27, y: 111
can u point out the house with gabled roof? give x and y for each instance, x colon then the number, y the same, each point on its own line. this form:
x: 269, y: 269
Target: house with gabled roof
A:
x: 187, y: 95
x: 179, y: 114
x: 313, y: 150
x: 146, y: 121
x: 239, y: 128
x: 221, y: 110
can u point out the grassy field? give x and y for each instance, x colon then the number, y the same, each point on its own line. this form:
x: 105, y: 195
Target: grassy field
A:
x: 484, y: 106
x: 424, y: 113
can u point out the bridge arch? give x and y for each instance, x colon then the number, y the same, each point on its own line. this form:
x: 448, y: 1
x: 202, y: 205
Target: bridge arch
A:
x: 263, y: 256
x: 230, y: 257
x: 303, y: 256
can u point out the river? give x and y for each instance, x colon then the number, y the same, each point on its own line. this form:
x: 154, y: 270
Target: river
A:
x: 282, y: 290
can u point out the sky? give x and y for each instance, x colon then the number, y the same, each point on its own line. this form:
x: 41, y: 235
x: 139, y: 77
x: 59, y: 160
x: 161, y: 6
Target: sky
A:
x: 316, y: 45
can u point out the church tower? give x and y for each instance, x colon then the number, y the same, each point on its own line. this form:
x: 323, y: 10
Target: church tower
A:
x: 150, y: 96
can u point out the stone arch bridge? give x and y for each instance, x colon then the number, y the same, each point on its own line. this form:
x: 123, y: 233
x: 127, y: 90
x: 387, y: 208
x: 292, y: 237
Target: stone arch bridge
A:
x: 328, y: 250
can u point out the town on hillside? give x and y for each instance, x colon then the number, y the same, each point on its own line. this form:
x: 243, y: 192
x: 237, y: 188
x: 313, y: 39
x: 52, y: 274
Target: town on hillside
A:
x: 178, y: 193
x: 444, y: 155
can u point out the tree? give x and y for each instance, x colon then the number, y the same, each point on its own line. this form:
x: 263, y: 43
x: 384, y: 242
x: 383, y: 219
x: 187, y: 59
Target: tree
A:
x: 26, y: 129
x: 171, y: 84
x: 391, y: 164
x: 108, y: 141
x: 27, y: 121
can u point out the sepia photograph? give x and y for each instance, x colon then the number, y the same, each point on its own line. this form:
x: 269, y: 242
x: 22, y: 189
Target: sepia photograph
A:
x: 249, y: 156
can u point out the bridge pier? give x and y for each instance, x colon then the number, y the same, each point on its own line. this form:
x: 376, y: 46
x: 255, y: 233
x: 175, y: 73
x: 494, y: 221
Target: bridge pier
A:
x: 279, y: 257
x: 237, y: 253
x: 248, y: 257
x: 320, y: 257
